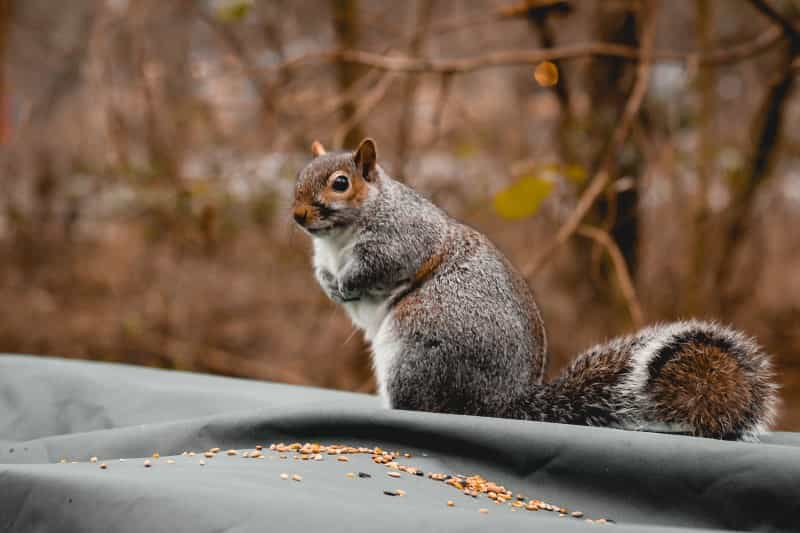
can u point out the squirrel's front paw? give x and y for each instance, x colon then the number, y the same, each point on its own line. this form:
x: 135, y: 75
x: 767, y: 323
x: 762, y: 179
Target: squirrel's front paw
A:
x: 348, y: 294
x: 330, y: 285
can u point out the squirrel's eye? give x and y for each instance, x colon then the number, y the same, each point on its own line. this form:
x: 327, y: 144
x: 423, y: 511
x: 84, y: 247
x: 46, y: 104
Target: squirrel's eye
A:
x: 340, y: 183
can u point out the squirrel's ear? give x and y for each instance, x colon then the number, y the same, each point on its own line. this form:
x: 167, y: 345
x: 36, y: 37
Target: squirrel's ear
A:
x: 365, y: 158
x: 317, y: 149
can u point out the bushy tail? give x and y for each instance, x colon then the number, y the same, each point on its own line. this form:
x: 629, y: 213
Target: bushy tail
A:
x: 692, y: 377
x: 704, y: 379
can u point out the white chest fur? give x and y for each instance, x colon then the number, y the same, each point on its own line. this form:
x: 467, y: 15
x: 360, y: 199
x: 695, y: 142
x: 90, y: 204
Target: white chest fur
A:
x: 334, y: 254
x: 370, y: 313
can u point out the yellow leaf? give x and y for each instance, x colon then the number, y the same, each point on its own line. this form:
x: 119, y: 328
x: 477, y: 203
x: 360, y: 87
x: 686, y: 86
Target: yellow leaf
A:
x: 465, y: 150
x: 523, y: 198
x: 575, y: 173
x: 234, y: 10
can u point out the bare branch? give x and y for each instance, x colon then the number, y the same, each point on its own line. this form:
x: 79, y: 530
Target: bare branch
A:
x: 238, y: 48
x: 504, y: 58
x: 404, y: 129
x: 623, y: 275
x: 366, y: 104
x: 608, y: 165
x: 786, y: 25
x: 444, y: 95
x: 769, y: 121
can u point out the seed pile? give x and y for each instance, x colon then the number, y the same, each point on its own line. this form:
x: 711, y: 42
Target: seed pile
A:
x: 474, y: 486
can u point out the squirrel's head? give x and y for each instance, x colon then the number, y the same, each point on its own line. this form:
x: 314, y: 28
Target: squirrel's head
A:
x: 331, y: 189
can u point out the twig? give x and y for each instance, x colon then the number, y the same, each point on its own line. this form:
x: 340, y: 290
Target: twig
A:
x: 786, y: 25
x: 366, y: 104
x: 694, y: 297
x: 444, y: 94
x: 333, y: 104
x: 769, y: 119
x: 502, y: 58
x: 238, y: 48
x: 608, y: 165
x: 623, y: 275
x: 404, y: 129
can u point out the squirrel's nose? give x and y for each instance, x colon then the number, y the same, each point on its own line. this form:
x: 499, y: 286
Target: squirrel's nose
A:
x: 300, y: 215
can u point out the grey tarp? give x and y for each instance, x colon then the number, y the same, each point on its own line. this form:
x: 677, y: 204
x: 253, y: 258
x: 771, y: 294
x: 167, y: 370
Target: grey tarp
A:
x: 52, y: 409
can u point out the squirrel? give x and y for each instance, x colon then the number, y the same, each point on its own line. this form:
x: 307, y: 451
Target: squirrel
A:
x: 454, y: 328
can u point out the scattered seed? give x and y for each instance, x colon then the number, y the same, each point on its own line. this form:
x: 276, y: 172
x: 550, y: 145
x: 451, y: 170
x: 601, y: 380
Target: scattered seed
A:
x: 103, y: 466
x: 147, y: 463
x: 214, y: 450
x: 191, y: 454
x: 170, y: 461
x: 232, y: 452
x: 601, y: 521
x: 202, y: 463
x: 208, y: 455
x: 469, y: 484
x: 93, y: 459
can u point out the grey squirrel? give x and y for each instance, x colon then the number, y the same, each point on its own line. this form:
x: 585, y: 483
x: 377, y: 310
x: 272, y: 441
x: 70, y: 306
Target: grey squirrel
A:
x: 454, y: 328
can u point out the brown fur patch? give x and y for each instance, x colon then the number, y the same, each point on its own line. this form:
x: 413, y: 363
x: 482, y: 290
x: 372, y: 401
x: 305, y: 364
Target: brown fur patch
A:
x: 304, y: 193
x: 599, y: 368
x: 312, y: 213
x: 355, y: 194
x: 428, y: 268
x: 410, y: 303
x: 704, y: 386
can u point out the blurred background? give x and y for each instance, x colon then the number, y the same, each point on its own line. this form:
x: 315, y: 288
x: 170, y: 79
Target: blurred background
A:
x: 638, y: 160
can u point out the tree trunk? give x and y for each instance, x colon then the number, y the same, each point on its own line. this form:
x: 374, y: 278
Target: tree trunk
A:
x: 346, y: 27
